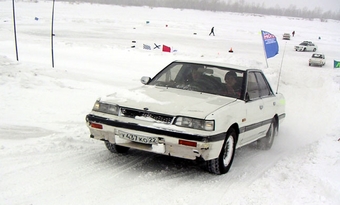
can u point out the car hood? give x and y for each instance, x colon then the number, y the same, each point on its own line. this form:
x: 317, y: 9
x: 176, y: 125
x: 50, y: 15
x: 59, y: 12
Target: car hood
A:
x: 169, y: 101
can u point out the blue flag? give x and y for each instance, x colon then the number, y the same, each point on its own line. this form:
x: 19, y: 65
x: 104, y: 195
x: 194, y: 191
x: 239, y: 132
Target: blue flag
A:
x: 270, y: 44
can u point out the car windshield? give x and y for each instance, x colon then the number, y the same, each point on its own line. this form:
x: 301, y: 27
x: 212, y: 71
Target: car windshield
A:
x: 303, y: 44
x: 201, y: 78
x: 317, y: 56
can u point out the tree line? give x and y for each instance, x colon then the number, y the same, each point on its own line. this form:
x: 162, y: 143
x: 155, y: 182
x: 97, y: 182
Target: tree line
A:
x: 223, y: 6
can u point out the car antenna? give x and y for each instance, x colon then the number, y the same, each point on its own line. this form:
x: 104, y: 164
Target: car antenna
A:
x: 278, y: 81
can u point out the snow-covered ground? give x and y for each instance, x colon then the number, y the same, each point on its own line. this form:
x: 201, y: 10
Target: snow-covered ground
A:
x: 47, y: 156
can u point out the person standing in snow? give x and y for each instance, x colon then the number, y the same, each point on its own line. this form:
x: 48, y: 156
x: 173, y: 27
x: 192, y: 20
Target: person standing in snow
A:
x: 293, y: 33
x: 212, y: 31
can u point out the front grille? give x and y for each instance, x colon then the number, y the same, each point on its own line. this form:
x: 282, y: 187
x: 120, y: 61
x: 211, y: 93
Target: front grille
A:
x: 132, y: 113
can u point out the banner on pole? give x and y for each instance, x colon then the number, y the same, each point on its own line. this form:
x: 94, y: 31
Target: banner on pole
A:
x: 147, y: 47
x: 336, y: 64
x: 270, y: 44
x: 166, y: 48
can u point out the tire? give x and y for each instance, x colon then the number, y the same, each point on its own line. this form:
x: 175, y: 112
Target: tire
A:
x: 266, y: 142
x: 222, y: 164
x: 116, y: 148
x: 314, y: 49
x: 304, y: 49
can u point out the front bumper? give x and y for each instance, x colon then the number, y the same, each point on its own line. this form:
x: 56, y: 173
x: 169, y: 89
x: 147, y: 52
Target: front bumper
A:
x: 298, y: 48
x: 207, y: 146
x: 319, y: 63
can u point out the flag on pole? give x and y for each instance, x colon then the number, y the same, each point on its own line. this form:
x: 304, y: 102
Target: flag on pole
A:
x: 156, y: 46
x: 270, y: 44
x: 147, y: 47
x: 166, y: 48
x: 336, y: 64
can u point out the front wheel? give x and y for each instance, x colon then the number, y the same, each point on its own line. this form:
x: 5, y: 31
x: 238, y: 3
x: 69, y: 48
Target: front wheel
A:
x: 116, y: 148
x: 266, y: 142
x: 222, y: 164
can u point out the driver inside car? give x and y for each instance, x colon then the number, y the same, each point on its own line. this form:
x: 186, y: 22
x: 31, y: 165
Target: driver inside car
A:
x: 230, y: 81
x: 195, y: 74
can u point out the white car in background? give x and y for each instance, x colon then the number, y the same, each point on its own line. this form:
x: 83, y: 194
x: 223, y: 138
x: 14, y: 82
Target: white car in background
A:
x: 192, y: 110
x: 317, y: 59
x: 306, y: 46
x: 286, y: 36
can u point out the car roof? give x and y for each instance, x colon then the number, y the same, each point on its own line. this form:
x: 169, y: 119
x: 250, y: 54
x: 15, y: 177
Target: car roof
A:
x: 218, y: 64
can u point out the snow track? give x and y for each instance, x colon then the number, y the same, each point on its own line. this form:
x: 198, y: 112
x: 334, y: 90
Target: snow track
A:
x: 47, y: 156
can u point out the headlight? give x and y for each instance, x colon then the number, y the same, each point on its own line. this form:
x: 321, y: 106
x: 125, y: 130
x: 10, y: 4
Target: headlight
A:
x: 208, y: 125
x: 106, y: 108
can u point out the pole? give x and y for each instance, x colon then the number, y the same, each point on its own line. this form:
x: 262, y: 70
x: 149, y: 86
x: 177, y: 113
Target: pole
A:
x: 52, y: 34
x: 278, y: 81
x: 15, y: 32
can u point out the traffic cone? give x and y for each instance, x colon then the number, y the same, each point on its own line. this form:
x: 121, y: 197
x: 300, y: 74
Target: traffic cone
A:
x: 231, y: 50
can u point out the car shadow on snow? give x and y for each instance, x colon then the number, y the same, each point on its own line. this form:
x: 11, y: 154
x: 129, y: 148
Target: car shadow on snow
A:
x: 136, y: 160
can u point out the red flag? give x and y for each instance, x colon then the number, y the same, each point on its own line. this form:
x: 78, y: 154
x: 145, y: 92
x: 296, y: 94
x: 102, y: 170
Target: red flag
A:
x: 166, y: 49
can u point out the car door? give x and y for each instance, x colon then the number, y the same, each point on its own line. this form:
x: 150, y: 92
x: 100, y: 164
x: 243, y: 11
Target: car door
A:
x: 310, y: 47
x: 268, y: 101
x: 260, y: 103
x: 252, y: 125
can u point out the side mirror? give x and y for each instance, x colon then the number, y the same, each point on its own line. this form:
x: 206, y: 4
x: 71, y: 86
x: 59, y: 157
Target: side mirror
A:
x: 145, y: 80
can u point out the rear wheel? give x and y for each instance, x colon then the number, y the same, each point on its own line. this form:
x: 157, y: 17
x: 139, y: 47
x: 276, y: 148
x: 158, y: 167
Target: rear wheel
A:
x: 314, y: 49
x: 266, y: 142
x: 222, y: 164
x: 116, y: 148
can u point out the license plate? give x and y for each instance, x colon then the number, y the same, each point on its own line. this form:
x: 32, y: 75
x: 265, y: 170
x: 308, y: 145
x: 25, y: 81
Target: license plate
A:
x: 138, y: 138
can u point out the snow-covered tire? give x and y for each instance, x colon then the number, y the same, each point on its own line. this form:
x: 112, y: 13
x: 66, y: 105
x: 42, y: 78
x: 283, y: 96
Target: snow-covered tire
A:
x: 266, y: 142
x: 116, y: 148
x: 222, y: 164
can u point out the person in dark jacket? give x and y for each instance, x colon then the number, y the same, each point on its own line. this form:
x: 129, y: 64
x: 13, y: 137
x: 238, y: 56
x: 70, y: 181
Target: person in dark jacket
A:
x: 212, y: 31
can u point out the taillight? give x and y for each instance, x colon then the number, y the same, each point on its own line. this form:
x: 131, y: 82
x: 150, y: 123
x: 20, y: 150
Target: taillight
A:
x: 96, y: 125
x: 187, y: 143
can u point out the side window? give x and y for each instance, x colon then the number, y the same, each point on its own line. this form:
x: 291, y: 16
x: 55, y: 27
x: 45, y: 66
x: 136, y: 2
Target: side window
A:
x: 252, y: 87
x: 263, y: 85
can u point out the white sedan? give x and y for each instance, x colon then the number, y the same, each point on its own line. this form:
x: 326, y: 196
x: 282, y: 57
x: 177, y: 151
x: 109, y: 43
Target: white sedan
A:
x: 192, y: 110
x: 306, y: 46
x: 317, y: 59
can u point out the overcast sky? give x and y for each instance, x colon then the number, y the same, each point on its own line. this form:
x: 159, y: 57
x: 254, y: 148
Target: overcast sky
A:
x: 325, y: 5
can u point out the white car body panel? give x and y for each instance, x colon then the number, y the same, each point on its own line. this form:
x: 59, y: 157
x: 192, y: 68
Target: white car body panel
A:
x: 157, y: 98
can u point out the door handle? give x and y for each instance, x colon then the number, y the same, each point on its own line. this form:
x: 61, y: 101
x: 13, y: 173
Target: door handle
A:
x: 261, y: 107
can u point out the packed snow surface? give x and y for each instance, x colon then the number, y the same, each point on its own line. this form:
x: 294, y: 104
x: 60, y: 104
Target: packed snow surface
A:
x: 47, y: 156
